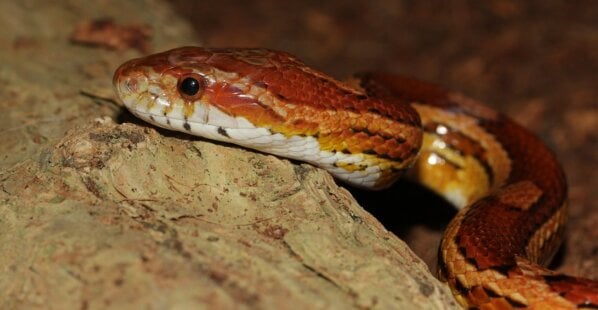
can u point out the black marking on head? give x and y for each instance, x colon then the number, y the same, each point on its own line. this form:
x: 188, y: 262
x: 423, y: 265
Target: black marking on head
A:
x: 223, y: 132
x: 152, y: 118
x: 187, y: 126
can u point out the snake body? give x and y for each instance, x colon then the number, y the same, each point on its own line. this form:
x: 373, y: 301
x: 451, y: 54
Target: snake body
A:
x: 367, y: 132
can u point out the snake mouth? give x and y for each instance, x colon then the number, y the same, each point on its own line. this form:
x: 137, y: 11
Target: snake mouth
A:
x: 155, y: 98
x: 154, y: 102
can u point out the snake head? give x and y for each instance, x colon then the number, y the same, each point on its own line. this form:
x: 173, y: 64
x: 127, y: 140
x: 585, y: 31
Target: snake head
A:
x: 272, y: 102
x: 188, y: 89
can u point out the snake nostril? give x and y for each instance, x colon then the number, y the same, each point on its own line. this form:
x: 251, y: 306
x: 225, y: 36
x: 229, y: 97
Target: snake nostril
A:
x: 133, y: 84
x: 130, y: 85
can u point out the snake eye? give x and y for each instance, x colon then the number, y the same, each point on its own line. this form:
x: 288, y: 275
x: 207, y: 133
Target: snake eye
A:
x: 191, y: 86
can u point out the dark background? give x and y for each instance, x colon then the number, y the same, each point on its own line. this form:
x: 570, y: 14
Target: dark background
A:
x: 536, y: 61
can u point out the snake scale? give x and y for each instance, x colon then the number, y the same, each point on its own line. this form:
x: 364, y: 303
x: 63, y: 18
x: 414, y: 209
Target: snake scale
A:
x: 367, y: 132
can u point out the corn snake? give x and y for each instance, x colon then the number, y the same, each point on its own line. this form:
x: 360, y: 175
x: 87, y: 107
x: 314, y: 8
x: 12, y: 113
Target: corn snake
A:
x: 368, y: 132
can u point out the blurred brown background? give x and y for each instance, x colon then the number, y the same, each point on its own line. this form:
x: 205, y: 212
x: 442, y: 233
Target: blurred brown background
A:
x: 537, y: 61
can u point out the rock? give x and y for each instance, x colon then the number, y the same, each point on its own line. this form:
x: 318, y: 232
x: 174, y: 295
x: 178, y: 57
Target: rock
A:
x: 96, y: 214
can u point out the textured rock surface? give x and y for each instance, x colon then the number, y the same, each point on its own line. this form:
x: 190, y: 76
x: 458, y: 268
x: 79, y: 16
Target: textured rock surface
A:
x: 96, y: 214
x: 123, y: 215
